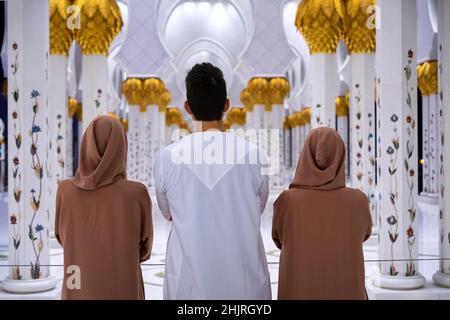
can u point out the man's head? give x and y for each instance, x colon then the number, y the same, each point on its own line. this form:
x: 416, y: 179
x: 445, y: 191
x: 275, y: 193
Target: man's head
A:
x: 206, y: 93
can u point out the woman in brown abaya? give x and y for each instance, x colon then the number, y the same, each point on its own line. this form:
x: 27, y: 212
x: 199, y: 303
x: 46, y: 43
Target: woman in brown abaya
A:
x: 103, y: 221
x: 320, y: 226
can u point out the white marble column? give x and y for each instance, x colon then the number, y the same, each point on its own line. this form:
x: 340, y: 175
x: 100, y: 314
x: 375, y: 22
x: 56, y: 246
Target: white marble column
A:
x: 97, y: 29
x: 324, y: 90
x: 151, y: 142
x: 162, y: 127
x: 342, y: 114
x: 442, y: 276
x: 28, y: 49
x: 362, y: 125
x: 276, y: 145
x: 296, y: 138
x: 94, y: 83
x: 135, y: 148
x: 398, y: 232
x: 57, y: 121
x: 434, y: 138
x: 426, y: 144
x: 428, y: 84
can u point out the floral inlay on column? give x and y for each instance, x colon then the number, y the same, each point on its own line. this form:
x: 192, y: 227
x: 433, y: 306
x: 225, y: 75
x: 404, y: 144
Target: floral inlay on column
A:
x: 371, y: 169
x: 59, y: 151
x: 35, y: 230
x: 379, y: 153
x: 16, y: 214
x: 392, y: 220
x: 442, y: 176
x: 408, y: 165
x: 98, y: 99
x: 359, y: 137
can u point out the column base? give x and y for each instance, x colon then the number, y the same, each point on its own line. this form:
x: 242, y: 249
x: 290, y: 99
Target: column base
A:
x: 429, y: 198
x: 398, y: 282
x: 441, y: 279
x: 28, y: 286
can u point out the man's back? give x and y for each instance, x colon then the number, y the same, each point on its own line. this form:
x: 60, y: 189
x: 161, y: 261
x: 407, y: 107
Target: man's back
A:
x: 210, y: 185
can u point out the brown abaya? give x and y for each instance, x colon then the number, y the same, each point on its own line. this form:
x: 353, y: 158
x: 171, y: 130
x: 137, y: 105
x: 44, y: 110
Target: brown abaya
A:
x: 103, y: 221
x: 320, y: 226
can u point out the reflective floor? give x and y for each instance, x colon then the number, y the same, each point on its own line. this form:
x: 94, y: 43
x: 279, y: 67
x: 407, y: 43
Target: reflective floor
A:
x: 153, y: 270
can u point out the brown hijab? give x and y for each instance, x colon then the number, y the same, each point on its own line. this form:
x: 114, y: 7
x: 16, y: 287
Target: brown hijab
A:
x: 322, y: 161
x: 103, y: 154
x: 103, y: 221
x: 320, y: 226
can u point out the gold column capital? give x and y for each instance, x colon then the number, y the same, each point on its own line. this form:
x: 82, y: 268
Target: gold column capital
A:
x: 342, y: 106
x: 61, y: 37
x: 321, y: 22
x: 100, y: 21
x: 146, y: 91
x: 132, y: 90
x: 267, y: 91
x: 307, y: 113
x: 359, y: 38
x: 427, y: 78
x: 246, y: 99
x: 278, y: 90
x: 75, y: 108
x: 235, y: 116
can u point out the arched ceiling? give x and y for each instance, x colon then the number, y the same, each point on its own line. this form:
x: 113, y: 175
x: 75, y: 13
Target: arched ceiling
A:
x: 220, y: 22
x: 243, y: 37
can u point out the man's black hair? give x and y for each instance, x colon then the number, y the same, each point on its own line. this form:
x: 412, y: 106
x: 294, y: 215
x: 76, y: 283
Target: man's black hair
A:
x: 206, y: 92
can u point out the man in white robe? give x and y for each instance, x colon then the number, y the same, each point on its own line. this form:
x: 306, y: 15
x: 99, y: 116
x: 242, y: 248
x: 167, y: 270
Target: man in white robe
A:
x: 210, y: 185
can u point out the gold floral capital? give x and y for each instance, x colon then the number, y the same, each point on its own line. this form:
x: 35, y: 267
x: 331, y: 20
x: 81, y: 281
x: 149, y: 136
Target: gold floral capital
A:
x: 266, y: 91
x: 75, y: 108
x: 427, y: 78
x: 143, y: 92
x: 235, y: 116
x: 342, y: 106
x: 321, y: 22
x: 306, y: 113
x: 100, y: 22
x: 247, y: 100
x: 359, y: 38
x: 61, y: 37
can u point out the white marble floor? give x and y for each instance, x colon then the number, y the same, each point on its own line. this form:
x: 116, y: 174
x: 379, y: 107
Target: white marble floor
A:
x: 153, y: 270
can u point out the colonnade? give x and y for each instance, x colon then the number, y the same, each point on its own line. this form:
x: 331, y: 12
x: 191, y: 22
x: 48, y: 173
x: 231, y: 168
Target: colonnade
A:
x: 380, y: 129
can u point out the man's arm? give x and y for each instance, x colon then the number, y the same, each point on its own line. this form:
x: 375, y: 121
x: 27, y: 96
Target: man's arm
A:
x: 161, y: 192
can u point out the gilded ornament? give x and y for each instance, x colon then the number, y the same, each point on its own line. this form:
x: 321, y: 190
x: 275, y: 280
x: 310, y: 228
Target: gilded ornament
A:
x: 100, y: 21
x: 61, y: 37
x: 427, y: 78
x: 358, y: 36
x: 342, y: 106
x: 321, y: 22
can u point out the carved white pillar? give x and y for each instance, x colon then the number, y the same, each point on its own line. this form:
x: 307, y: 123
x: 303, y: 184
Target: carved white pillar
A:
x: 426, y: 144
x: 276, y: 123
x: 342, y: 114
x: 28, y: 49
x: 134, y: 165
x: 325, y: 87
x: 362, y: 125
x: 94, y: 83
x: 57, y: 122
x: 162, y: 127
x: 296, y: 139
x: 442, y: 276
x: 398, y: 232
x: 150, y: 142
x: 428, y: 84
x: 434, y: 138
x: 97, y: 29
x: 61, y: 39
